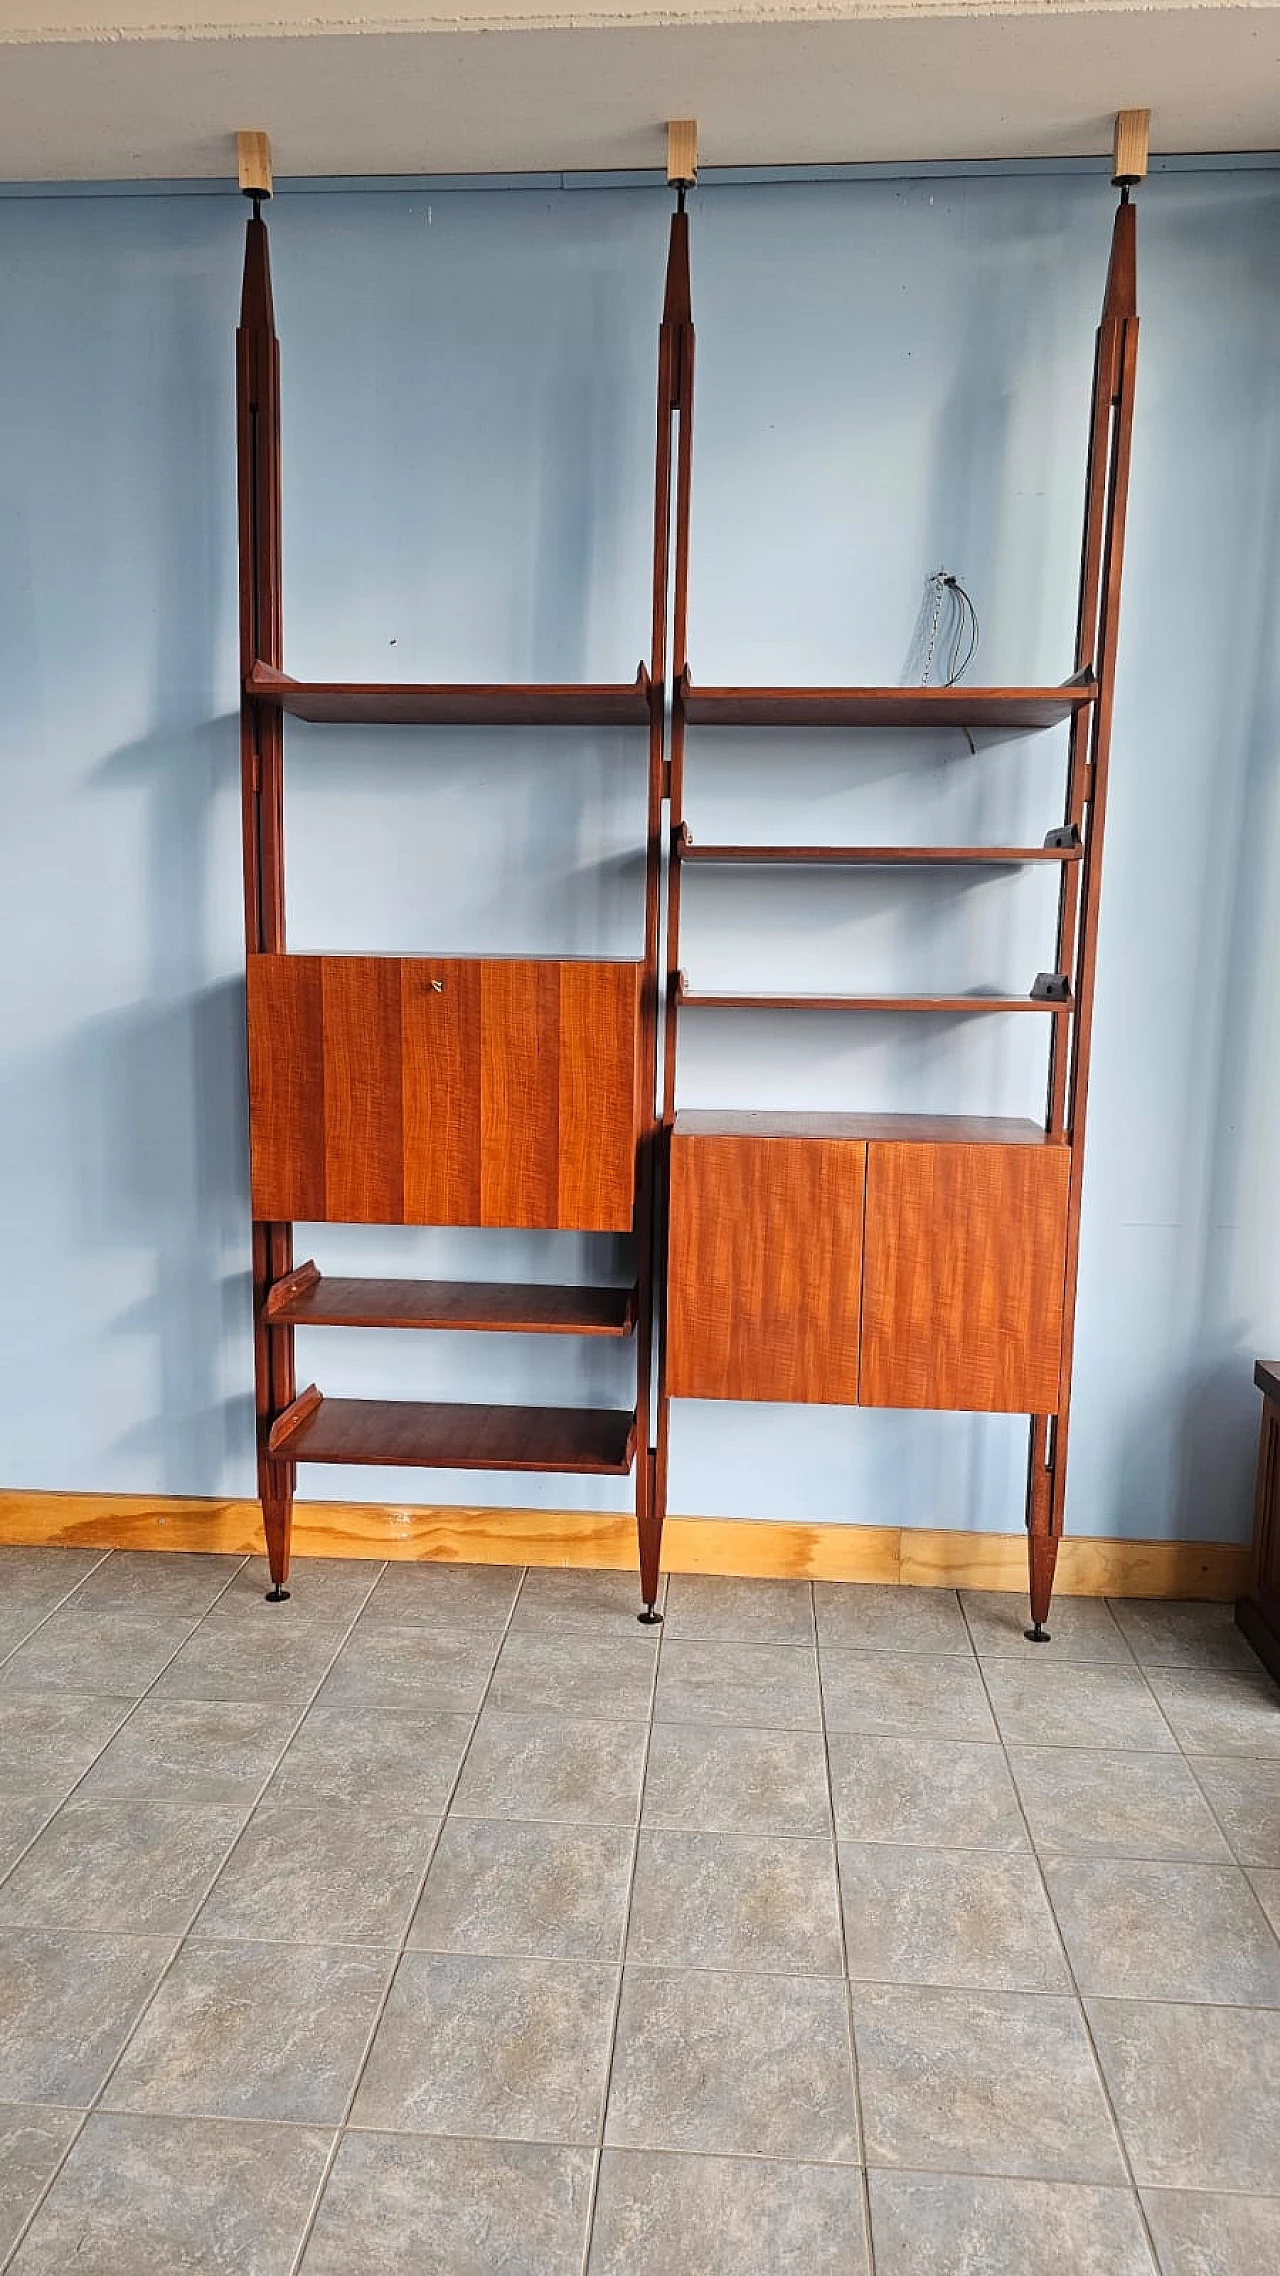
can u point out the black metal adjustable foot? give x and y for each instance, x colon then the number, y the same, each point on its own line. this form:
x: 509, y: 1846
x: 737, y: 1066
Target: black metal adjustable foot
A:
x: 278, y: 1595
x: 1037, y: 1635
x: 650, y: 1617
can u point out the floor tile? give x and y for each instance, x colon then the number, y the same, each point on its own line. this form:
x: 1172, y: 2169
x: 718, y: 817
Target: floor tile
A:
x: 543, y: 1891
x: 380, y: 1758
x: 738, y: 1611
x: 1215, y: 1711
x: 16, y: 1625
x: 67, y: 2005
x: 928, y: 1792
x: 476, y: 1597
x: 1266, y: 1887
x: 1196, y: 2091
x: 1082, y: 1627
x: 43, y: 1577
x: 32, y: 2140
x: 755, y: 1902
x: 307, y: 1872
x: 987, y: 2082
x: 328, y: 1589
x: 1184, y: 1635
x: 511, y: 2050
x: 1245, y: 1799
x: 21, y: 1817
x: 120, y: 1652
x: 1199, y: 2235
x: 394, y: 1665
x: 253, y: 2031
x: 48, y: 1740
x: 670, y: 2216
x: 916, y: 1698
x: 863, y: 1616
x: 1096, y: 1803
x: 1158, y: 1931
x: 1041, y: 1701
x: 234, y: 1657
x: 568, y: 1603
x: 136, y: 1866
x: 178, y: 1585
x: 551, y: 1672
x: 202, y: 1750
x: 718, y: 1777
x: 948, y: 1916
x: 763, y: 1685
x: 948, y: 2224
x: 730, y: 2065
x: 399, y: 2206
x: 152, y: 2196
x: 552, y: 1767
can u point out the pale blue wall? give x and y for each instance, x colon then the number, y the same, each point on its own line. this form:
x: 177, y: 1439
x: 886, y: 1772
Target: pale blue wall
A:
x: 892, y: 374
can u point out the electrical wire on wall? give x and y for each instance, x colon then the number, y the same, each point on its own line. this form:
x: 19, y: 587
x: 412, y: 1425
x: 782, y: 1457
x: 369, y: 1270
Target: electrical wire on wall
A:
x: 959, y: 636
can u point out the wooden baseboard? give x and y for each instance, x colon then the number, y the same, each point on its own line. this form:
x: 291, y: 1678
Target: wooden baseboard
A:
x: 748, y: 1546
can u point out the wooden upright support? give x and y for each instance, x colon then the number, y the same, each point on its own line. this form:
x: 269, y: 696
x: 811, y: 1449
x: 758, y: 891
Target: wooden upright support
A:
x: 682, y: 151
x: 253, y: 159
x: 1129, y: 149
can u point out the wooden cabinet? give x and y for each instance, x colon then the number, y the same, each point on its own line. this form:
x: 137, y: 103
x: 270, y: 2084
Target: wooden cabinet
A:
x: 825, y: 1259
x: 444, y: 1090
x: 963, y: 1278
x: 765, y: 1268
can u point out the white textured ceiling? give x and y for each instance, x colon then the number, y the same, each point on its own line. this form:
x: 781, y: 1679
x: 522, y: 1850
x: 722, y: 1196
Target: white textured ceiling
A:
x: 155, y: 88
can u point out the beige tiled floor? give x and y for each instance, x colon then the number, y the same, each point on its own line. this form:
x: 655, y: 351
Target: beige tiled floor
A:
x: 444, y: 1922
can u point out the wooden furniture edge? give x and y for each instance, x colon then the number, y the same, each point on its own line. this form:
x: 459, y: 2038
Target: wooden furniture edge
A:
x: 753, y: 1548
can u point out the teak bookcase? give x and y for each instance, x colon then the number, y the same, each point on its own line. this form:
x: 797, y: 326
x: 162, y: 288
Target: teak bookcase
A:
x: 874, y: 1260
x: 899, y: 1260
x: 496, y: 1091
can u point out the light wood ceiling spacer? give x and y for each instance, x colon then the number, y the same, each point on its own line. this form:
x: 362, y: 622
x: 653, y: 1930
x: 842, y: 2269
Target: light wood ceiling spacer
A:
x: 253, y: 157
x: 1129, y: 159
x: 682, y: 150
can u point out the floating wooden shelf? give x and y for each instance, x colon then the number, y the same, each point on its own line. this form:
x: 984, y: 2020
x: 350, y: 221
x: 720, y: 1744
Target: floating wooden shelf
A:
x: 906, y: 1129
x: 885, y: 707
x: 871, y: 857
x: 422, y: 1434
x: 308, y: 1299
x: 373, y: 704
x: 690, y: 999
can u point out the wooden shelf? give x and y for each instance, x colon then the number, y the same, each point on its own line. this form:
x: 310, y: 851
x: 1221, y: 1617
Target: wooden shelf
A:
x: 871, y: 857
x: 422, y: 1434
x: 703, y: 1000
x: 376, y: 704
x: 907, y: 1129
x: 1010, y: 708
x: 309, y: 1299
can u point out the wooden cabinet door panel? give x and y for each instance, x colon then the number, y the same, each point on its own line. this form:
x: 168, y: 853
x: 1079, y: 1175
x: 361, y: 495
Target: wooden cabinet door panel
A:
x: 765, y: 1268
x: 963, y: 1280
x: 444, y: 1091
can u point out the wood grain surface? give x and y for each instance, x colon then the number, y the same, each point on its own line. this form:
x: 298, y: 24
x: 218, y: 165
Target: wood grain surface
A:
x: 448, y: 1091
x: 765, y: 1266
x: 963, y: 1279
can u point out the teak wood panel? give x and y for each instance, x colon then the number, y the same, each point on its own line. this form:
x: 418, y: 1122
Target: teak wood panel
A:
x: 962, y: 1294
x: 765, y: 1266
x: 444, y: 1091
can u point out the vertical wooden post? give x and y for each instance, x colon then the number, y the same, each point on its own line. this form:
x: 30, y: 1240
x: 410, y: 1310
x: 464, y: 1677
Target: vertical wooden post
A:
x: 1102, y: 561
x: 675, y: 424
x: 262, y: 785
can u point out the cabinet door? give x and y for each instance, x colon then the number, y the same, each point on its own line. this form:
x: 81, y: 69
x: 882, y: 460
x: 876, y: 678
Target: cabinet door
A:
x: 444, y: 1090
x: 963, y: 1284
x: 764, y: 1269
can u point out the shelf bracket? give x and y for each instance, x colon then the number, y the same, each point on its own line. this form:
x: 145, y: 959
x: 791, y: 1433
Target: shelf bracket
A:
x: 682, y: 152
x: 1051, y: 988
x: 1064, y: 840
x: 253, y: 162
x: 1130, y: 148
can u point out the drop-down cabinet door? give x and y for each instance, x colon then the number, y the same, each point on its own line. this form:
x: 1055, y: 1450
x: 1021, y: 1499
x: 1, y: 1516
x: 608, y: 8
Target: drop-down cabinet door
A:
x: 964, y: 1274
x: 765, y: 1265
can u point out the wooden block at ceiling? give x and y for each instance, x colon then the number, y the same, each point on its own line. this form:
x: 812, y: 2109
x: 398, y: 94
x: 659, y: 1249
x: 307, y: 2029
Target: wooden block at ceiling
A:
x: 253, y: 157
x: 682, y: 150
x: 1133, y: 131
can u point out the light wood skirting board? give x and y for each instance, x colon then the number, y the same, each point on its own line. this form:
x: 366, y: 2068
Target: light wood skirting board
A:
x: 752, y: 1547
